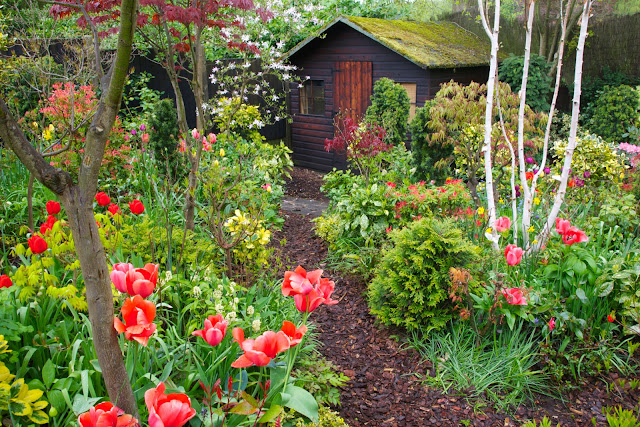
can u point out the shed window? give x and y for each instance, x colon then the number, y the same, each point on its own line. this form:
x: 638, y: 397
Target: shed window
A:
x: 411, y: 91
x: 312, y: 97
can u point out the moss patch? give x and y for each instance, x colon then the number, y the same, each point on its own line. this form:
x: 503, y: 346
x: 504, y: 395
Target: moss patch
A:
x: 428, y: 44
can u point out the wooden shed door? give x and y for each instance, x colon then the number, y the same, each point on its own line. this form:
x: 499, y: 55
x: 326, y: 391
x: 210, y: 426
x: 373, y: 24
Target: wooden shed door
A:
x: 352, y: 86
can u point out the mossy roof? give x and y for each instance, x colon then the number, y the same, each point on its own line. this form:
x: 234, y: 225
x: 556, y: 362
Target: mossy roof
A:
x: 427, y: 44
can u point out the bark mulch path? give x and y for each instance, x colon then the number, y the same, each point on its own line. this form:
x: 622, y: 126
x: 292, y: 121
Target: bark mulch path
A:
x: 384, y: 390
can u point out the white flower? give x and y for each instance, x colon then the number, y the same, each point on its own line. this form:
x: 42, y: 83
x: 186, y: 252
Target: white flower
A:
x: 250, y: 310
x: 197, y: 291
x: 236, y: 300
x: 256, y: 325
x: 168, y: 275
x: 217, y: 294
x: 219, y: 308
x: 231, y: 316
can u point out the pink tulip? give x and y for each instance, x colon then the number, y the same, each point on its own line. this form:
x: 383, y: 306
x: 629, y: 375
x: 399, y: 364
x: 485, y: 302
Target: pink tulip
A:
x: 215, y: 327
x: 106, y: 415
x: 138, y: 315
x: 295, y: 334
x: 574, y: 235
x: 513, y: 254
x: 502, y: 224
x: 135, y: 281
x: 514, y: 296
x: 168, y: 410
x: 195, y: 134
x: 552, y: 324
x: 562, y: 226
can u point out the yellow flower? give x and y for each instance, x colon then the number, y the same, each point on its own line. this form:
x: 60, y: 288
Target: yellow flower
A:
x: 222, y: 152
x: 51, y: 128
x: 534, y: 241
x: 480, y: 210
x: 531, y: 229
x: 501, y: 200
x: 47, y: 134
x: 536, y: 201
x: 489, y: 230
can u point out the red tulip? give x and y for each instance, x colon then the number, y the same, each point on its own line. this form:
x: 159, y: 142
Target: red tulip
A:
x: 114, y: 209
x: 514, y: 296
x: 574, y: 235
x: 502, y: 224
x: 320, y: 294
x: 513, y: 254
x: 5, y: 281
x: 215, y: 328
x: 260, y: 351
x: 135, y: 281
x: 138, y: 315
x: 168, y: 410
x: 136, y: 207
x: 562, y: 226
x: 103, y: 199
x: 299, y: 281
x: 552, y: 324
x: 53, y: 208
x: 37, y: 244
x: 106, y: 415
x: 295, y: 335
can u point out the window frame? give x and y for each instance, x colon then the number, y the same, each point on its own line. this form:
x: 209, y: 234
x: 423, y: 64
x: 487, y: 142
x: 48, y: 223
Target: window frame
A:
x: 309, y: 101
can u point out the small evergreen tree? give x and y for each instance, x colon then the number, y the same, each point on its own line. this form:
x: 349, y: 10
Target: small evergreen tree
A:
x: 538, y: 82
x: 390, y: 109
x: 164, y: 138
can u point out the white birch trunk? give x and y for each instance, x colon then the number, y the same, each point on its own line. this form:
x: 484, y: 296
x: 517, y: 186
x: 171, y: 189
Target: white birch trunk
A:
x: 527, y: 195
x: 493, y: 36
x: 543, y: 236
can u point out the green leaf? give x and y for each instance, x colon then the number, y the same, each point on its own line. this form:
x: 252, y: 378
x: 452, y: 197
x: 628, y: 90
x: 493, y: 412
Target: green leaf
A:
x: 243, y: 408
x: 582, y: 296
x: 56, y: 399
x: 364, y: 221
x: 511, y: 320
x: 271, y: 414
x: 252, y: 401
x: 301, y: 401
x: 579, y: 267
x: 48, y: 373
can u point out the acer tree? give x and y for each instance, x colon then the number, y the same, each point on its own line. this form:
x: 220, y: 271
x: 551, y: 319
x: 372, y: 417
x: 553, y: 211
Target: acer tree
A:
x: 77, y: 195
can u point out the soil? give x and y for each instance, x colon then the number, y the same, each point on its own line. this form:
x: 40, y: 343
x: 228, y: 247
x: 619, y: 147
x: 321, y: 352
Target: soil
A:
x: 385, y: 389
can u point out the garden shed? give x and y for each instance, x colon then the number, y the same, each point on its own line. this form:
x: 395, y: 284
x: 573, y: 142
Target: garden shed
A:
x: 350, y: 54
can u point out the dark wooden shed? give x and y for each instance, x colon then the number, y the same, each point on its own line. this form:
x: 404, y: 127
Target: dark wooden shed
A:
x: 351, y: 53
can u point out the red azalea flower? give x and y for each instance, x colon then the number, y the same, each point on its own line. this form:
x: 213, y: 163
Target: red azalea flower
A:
x: 103, y: 199
x: 514, y: 296
x: 135, y: 281
x: 37, y: 244
x: 136, y: 207
x: 53, y: 208
x: 295, y: 334
x: 106, y: 415
x: 215, y: 328
x: 513, y: 254
x: 260, y: 351
x: 168, y: 410
x: 114, y: 209
x: 5, y: 281
x: 138, y: 315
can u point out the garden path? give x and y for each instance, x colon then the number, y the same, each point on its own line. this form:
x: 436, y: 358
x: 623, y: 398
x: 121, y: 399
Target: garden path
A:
x: 385, y: 389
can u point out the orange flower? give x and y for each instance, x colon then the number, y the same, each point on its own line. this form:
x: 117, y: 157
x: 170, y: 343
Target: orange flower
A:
x: 106, y: 415
x: 260, y: 351
x: 138, y: 315
x: 295, y: 335
x: 168, y: 410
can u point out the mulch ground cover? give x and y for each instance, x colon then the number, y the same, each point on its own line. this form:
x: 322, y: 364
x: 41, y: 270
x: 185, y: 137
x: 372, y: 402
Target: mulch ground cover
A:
x: 384, y: 389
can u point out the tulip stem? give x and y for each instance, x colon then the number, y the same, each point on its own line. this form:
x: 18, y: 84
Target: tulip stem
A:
x: 293, y: 355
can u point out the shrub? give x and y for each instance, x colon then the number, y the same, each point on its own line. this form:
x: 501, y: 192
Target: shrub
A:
x: 164, y: 138
x: 426, y: 155
x: 538, y: 83
x: 595, y: 161
x: 411, y: 284
x: 592, y: 88
x: 615, y: 110
x: 390, y: 108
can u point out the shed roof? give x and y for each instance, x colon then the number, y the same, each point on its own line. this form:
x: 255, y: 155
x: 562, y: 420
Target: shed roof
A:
x: 426, y: 44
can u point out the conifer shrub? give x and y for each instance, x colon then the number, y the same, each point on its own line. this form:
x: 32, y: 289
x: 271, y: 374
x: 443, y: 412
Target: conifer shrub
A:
x: 425, y: 154
x: 390, y: 109
x: 164, y: 138
x: 411, y: 284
